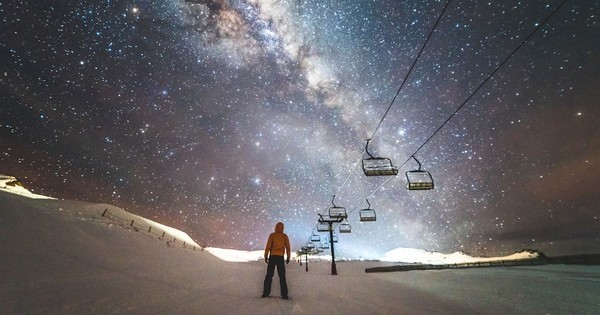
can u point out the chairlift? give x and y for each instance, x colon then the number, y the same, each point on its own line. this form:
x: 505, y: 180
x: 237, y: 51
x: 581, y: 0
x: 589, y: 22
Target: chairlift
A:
x: 325, y: 245
x: 319, y: 249
x: 336, y: 212
x: 310, y: 245
x: 345, y: 228
x: 315, y: 238
x: 322, y: 227
x: 377, y: 166
x: 367, y: 215
x: 419, y: 179
x: 334, y: 239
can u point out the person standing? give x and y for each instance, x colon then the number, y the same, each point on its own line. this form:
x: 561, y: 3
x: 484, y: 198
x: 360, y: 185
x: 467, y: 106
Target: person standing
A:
x: 278, y: 244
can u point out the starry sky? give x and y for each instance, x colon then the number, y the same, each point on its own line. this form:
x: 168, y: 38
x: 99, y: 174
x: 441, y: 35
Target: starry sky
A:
x: 221, y: 118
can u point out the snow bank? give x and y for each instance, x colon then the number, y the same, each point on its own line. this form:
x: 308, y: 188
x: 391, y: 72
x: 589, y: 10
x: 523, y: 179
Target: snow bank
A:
x: 142, y: 223
x: 411, y: 255
x: 10, y: 184
x: 234, y: 255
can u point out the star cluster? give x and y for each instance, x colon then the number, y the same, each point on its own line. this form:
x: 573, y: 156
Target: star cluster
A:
x: 221, y: 118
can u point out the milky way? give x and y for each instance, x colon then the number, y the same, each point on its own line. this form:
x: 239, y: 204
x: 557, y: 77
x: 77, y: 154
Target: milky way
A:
x: 221, y: 118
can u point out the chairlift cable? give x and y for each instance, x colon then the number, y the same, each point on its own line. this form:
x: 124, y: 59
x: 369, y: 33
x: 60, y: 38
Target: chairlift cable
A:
x: 371, y: 194
x: 411, y: 68
x: 486, y: 80
x: 350, y: 172
x: 500, y: 65
x: 540, y: 25
x: 399, y: 90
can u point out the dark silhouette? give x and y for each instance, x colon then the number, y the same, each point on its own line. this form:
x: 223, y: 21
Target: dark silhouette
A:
x: 277, y: 245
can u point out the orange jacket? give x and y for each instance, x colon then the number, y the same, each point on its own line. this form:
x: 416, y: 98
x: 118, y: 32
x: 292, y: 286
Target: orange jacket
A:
x: 278, y: 242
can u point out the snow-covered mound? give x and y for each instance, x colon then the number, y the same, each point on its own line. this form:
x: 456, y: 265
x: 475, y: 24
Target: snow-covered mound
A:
x: 234, y: 255
x: 11, y: 185
x: 144, y: 224
x: 412, y: 255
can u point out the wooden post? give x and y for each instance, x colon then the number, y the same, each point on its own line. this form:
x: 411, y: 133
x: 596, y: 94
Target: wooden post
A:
x: 163, y: 234
x: 103, y: 213
x: 149, y: 228
x: 131, y: 223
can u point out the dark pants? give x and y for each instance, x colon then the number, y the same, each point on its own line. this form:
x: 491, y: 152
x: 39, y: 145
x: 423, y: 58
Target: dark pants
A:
x: 275, y: 261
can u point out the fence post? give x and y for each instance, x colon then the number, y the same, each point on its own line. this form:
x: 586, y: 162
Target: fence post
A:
x: 163, y: 234
x: 149, y: 228
x: 103, y: 213
x: 131, y: 223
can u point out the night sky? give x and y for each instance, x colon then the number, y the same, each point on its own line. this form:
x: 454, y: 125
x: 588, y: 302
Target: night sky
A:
x: 221, y: 118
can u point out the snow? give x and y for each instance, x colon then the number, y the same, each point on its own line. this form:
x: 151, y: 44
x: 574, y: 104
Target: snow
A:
x: 413, y: 255
x: 61, y: 256
x: 12, y: 185
x: 236, y: 255
x: 111, y: 211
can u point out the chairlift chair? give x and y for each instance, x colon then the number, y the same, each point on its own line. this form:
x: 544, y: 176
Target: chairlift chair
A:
x: 377, y: 166
x: 322, y: 227
x: 367, y: 215
x: 315, y: 238
x: 345, y: 228
x: 336, y: 212
x: 419, y: 179
x: 334, y: 239
x: 325, y: 245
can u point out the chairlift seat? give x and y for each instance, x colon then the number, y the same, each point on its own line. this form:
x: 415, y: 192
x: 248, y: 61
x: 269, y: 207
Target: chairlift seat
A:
x: 325, y: 245
x: 419, y: 180
x: 367, y: 215
x: 345, y: 228
x: 315, y: 238
x: 337, y: 213
x: 323, y: 227
x: 378, y: 166
x: 334, y: 239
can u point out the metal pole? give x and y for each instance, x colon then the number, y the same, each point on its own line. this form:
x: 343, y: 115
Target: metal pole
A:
x: 333, y: 267
x: 330, y: 222
x: 306, y: 261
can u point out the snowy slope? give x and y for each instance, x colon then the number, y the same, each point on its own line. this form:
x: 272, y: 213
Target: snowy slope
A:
x: 11, y: 185
x: 63, y: 257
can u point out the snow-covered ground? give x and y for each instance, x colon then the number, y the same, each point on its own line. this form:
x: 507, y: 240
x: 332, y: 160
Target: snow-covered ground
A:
x: 12, y: 185
x: 65, y: 257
